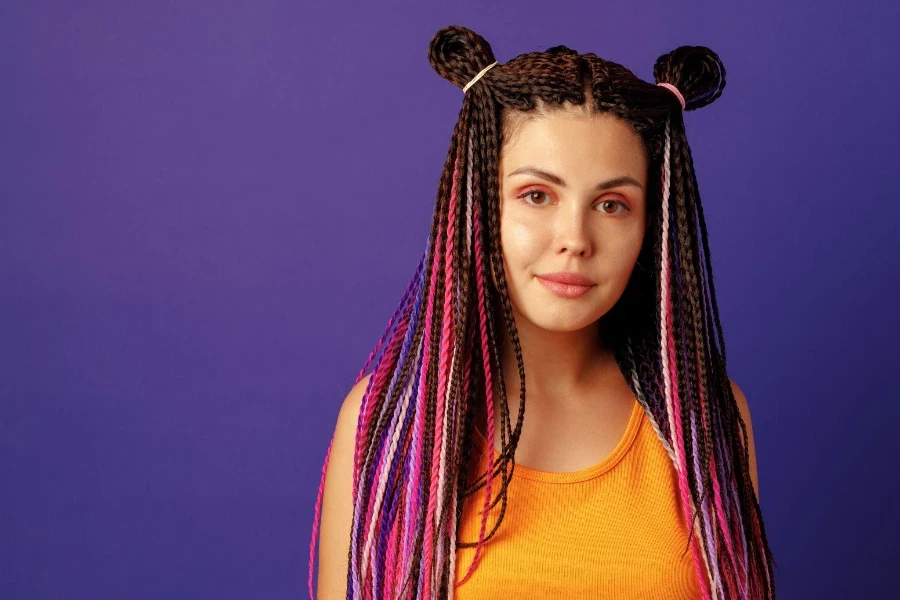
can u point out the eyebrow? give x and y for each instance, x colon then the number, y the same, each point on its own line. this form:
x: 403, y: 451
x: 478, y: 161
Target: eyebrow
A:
x: 603, y: 185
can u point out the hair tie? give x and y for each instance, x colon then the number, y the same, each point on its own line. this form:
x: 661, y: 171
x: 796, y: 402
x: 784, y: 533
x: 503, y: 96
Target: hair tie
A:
x: 674, y: 91
x: 477, y: 77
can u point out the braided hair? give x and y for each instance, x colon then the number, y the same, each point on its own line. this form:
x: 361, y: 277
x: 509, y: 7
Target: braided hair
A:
x: 439, y: 356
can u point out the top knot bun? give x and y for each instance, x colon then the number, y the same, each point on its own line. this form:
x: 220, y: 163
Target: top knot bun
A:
x: 458, y: 54
x: 696, y: 71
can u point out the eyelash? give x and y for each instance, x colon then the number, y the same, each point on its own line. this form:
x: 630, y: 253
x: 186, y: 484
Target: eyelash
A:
x: 523, y: 195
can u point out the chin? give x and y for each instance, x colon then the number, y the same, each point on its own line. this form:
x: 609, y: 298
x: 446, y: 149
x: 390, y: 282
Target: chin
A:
x: 561, y: 322
x: 561, y: 315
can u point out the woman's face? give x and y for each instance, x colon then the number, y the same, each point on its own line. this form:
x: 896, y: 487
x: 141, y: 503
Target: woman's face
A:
x: 572, y: 199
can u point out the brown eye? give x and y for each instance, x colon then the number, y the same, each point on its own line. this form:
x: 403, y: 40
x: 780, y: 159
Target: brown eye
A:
x: 528, y: 196
x: 614, y: 203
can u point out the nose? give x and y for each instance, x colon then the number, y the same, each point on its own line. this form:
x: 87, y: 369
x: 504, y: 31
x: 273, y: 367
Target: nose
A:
x: 573, y: 234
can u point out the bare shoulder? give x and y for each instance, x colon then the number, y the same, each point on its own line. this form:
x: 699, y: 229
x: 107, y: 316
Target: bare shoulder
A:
x: 744, y: 409
x: 337, y: 500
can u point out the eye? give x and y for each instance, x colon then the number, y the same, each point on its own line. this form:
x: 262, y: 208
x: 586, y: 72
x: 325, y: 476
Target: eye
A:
x: 614, y: 201
x: 523, y: 197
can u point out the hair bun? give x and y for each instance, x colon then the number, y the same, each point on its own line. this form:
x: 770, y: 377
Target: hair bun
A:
x: 458, y: 54
x: 696, y: 71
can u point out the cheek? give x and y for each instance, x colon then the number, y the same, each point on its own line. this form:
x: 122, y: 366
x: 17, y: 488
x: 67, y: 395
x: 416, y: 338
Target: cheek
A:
x: 522, y: 240
x: 626, y: 253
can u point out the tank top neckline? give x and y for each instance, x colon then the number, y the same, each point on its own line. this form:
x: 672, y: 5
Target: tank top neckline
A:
x: 595, y: 470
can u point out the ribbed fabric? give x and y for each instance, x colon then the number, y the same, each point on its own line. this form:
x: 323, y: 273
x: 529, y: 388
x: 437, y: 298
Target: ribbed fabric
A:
x: 612, y: 530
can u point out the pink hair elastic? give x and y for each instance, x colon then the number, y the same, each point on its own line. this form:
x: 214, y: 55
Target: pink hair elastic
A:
x: 674, y: 91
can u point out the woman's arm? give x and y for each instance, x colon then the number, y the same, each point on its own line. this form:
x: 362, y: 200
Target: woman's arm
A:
x: 745, y: 415
x: 337, y: 501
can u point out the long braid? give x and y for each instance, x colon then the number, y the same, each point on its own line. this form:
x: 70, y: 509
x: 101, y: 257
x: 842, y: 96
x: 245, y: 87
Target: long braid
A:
x: 438, y: 361
x: 700, y: 349
x: 687, y: 334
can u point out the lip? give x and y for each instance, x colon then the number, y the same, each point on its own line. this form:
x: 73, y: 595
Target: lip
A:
x: 567, y: 277
x: 567, y: 285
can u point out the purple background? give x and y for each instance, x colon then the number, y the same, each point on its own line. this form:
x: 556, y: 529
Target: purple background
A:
x: 210, y: 210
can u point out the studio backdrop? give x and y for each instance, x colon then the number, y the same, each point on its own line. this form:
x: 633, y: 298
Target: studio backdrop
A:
x: 209, y: 211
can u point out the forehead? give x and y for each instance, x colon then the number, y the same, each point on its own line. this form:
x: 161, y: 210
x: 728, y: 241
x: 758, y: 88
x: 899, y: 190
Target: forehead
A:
x: 577, y: 145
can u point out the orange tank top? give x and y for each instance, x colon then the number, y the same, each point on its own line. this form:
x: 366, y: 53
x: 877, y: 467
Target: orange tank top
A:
x: 611, y: 530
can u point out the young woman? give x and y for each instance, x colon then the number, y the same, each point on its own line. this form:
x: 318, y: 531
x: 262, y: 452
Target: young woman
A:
x: 567, y: 257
